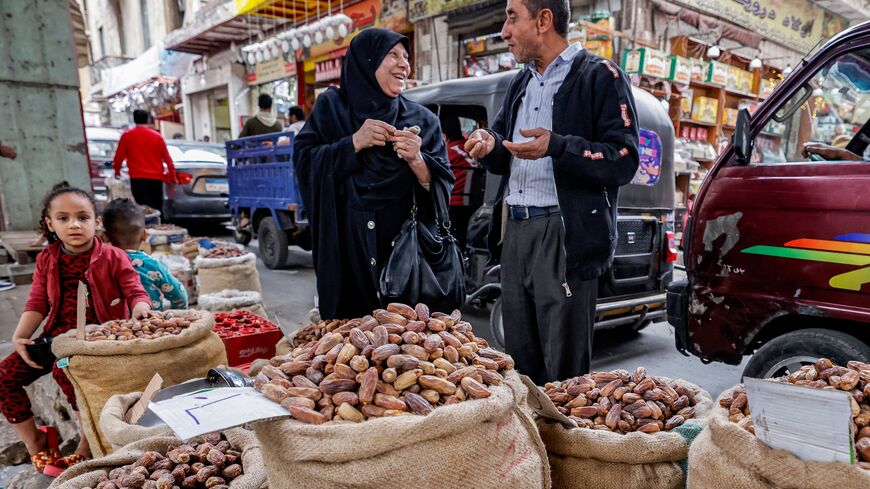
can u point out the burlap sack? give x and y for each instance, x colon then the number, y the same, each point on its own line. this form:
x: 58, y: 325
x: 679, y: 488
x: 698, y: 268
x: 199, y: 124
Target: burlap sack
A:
x: 725, y: 455
x: 100, y: 369
x: 86, y: 474
x: 582, y: 458
x: 218, y: 274
x: 234, y: 300
x: 117, y: 431
x: 489, y: 443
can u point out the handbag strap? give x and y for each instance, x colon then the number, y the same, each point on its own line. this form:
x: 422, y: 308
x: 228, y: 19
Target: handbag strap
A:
x: 439, y: 202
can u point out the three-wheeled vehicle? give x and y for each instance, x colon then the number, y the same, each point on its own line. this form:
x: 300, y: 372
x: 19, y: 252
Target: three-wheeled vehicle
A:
x: 632, y: 291
x: 778, y: 241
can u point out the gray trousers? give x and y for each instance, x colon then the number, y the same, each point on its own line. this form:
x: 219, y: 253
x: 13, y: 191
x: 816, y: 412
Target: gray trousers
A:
x: 548, y: 316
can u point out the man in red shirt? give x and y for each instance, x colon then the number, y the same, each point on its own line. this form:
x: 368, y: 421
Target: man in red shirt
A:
x: 145, y: 152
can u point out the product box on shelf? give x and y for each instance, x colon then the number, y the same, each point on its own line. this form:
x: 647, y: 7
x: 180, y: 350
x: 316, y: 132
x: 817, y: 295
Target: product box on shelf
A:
x: 716, y: 73
x: 686, y: 101
x: 729, y: 116
x: 767, y: 87
x: 698, y: 69
x: 739, y: 80
x: 645, y: 61
x: 705, y: 109
x: 679, y: 70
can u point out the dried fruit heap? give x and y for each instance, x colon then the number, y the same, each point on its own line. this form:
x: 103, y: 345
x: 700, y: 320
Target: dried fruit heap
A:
x: 854, y: 378
x: 398, y: 361
x: 224, y: 252
x: 155, y: 325
x: 621, y: 402
x: 211, y: 464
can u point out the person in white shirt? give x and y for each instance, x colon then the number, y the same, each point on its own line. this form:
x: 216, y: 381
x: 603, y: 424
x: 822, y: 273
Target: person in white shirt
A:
x: 297, y: 119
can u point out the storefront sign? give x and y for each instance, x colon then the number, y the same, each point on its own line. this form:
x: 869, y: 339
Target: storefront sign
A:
x: 422, y: 9
x: 328, y: 70
x: 795, y: 23
x: 387, y: 14
x: 272, y: 70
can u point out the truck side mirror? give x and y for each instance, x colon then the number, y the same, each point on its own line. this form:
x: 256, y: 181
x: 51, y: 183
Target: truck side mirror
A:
x: 742, y: 138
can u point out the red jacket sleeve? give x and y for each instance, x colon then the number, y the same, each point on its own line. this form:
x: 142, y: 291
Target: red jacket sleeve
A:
x: 120, y: 154
x: 128, y: 280
x: 169, y: 163
x: 37, y: 301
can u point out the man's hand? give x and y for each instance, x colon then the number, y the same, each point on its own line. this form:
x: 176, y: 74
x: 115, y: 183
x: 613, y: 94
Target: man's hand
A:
x: 531, y: 150
x: 480, y: 144
x: 8, y: 152
x: 21, y: 348
x: 141, y: 310
x: 828, y: 152
x: 372, y: 133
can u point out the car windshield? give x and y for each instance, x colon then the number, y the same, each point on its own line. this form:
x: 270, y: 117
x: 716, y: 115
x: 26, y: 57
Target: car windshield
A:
x: 199, y: 152
x: 102, y: 149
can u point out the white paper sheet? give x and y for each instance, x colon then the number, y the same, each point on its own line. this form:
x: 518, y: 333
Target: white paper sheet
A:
x: 209, y: 410
x: 813, y: 424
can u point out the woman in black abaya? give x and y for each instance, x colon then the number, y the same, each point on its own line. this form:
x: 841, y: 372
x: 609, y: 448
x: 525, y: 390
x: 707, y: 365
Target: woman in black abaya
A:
x: 358, y: 170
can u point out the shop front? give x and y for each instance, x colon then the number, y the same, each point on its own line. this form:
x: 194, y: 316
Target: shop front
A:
x: 213, y: 102
x: 276, y: 78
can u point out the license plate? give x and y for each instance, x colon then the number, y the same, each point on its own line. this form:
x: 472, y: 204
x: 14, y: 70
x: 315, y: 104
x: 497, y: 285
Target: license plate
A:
x: 217, y: 186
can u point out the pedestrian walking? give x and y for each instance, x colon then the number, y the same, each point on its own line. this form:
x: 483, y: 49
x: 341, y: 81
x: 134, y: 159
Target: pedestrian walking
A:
x: 297, y: 119
x: 145, y: 152
x: 565, y: 140
x: 265, y: 122
x: 358, y: 168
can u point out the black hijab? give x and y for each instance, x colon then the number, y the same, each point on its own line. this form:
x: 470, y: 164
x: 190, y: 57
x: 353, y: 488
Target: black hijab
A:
x: 359, y: 85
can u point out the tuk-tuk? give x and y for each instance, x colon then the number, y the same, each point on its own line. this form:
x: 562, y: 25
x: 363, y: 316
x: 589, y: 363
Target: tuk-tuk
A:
x: 631, y: 294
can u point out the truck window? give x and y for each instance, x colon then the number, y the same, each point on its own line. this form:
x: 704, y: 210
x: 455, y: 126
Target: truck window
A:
x: 837, y: 107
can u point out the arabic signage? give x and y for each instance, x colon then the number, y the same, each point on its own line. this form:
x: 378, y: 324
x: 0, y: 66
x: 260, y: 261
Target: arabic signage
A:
x: 797, y: 24
x: 422, y: 9
x: 272, y: 70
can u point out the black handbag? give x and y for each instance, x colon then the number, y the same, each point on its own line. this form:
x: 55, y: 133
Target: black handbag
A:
x: 425, y: 264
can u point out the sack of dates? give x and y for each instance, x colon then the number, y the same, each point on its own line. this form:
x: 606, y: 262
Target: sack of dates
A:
x: 728, y: 454
x: 633, y: 430
x: 119, y: 357
x: 237, y: 270
x: 117, y: 431
x: 482, y: 443
x: 228, y: 460
x: 234, y: 300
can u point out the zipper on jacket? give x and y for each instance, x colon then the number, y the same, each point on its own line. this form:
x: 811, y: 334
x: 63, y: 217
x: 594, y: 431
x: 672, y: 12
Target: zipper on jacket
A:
x: 607, y: 198
x: 564, y: 236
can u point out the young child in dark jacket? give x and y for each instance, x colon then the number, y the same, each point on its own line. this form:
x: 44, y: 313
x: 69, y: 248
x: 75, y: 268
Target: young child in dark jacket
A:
x: 74, y: 255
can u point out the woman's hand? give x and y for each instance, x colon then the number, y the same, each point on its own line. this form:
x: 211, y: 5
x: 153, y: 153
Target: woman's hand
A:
x: 21, y: 348
x: 372, y: 133
x: 407, y: 146
x: 140, y: 310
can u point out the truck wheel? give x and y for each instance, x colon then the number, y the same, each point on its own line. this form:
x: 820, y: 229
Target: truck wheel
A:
x: 273, y: 243
x: 242, y: 237
x: 786, y: 354
x: 496, y: 325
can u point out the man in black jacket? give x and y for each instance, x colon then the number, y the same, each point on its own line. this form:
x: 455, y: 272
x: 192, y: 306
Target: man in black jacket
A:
x: 565, y: 140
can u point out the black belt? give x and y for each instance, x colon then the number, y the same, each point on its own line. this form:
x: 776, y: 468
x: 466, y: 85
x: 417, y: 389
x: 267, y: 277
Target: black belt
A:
x: 521, y: 213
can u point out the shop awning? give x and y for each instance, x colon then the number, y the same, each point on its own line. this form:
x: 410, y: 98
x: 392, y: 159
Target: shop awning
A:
x: 217, y: 26
x: 154, y: 63
x: 477, y: 19
x: 294, y: 10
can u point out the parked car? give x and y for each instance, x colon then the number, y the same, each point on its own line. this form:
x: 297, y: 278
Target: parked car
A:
x: 778, y: 243
x: 102, y: 144
x: 632, y: 291
x: 202, y: 189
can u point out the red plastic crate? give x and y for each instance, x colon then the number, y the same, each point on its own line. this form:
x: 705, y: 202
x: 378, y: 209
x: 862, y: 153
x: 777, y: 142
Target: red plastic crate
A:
x: 246, y: 336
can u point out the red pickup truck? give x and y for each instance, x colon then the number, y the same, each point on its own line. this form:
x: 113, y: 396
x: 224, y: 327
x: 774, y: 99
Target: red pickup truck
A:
x: 778, y: 241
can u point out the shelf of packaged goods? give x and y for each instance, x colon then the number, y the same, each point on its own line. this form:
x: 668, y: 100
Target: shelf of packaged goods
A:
x: 742, y: 94
x: 697, y: 123
x: 705, y: 85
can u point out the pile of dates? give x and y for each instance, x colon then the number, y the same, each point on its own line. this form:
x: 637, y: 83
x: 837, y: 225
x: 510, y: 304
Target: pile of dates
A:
x: 211, y: 464
x: 154, y: 325
x: 395, y: 362
x: 224, y: 252
x: 621, y: 402
x: 854, y: 378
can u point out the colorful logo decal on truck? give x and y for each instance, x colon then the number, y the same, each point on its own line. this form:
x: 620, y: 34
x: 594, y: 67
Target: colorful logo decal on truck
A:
x: 847, y: 249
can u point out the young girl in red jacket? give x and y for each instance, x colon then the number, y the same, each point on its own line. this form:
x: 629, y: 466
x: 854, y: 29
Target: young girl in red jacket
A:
x: 114, y: 292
